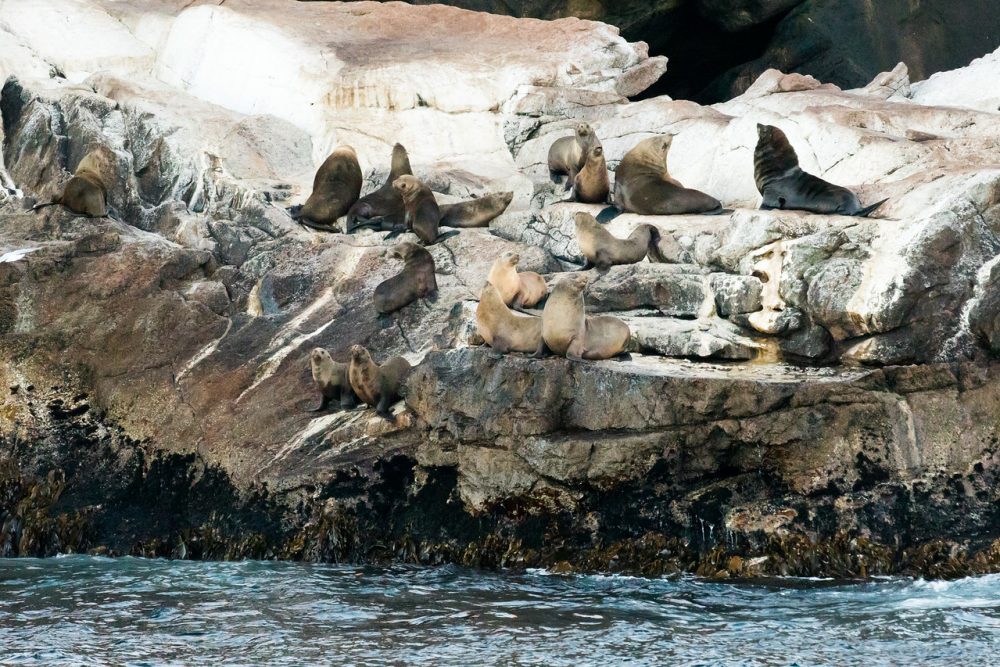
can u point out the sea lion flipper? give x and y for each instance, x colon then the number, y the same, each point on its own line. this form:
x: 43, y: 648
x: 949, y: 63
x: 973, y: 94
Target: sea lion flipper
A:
x: 393, y: 234
x: 446, y: 235
x: 294, y: 211
x: 322, y: 405
x: 348, y: 400
x: 608, y: 214
x: 720, y: 211
x: 868, y: 210
x: 312, y: 225
x: 37, y: 207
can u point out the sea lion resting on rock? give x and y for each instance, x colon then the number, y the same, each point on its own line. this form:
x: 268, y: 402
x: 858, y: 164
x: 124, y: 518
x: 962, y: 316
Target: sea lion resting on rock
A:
x: 475, y: 212
x: 592, y: 185
x: 86, y: 193
x: 336, y: 188
x: 522, y: 290
x: 784, y: 185
x: 377, y: 385
x: 415, y: 281
x: 331, y: 379
x: 643, y: 185
x: 604, y: 250
x: 567, y: 330
x: 504, y: 330
x: 422, y: 213
x: 383, y: 208
x: 568, y: 155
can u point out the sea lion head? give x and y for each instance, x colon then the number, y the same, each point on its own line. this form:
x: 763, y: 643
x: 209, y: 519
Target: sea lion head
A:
x: 511, y: 257
x: 345, y: 149
x: 596, y: 153
x: 406, y: 186
x: 359, y: 354
x: 403, y: 250
x: 574, y: 283
x: 584, y: 131
x: 400, y: 162
x: 773, y: 152
x: 319, y: 354
x: 584, y: 220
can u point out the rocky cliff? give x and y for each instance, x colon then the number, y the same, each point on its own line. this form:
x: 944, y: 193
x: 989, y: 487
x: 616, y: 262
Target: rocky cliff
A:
x: 807, y: 394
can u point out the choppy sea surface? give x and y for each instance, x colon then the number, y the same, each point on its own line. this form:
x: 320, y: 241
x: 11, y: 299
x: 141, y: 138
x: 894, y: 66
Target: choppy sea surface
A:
x: 91, y: 611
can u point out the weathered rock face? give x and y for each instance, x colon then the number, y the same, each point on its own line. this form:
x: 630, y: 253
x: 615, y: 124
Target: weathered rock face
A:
x: 156, y: 363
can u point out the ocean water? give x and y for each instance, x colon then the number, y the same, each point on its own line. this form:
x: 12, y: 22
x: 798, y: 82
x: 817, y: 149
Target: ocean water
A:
x: 96, y: 611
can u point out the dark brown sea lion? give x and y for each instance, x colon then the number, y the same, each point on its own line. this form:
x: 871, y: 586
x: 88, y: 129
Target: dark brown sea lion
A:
x: 521, y: 289
x: 567, y: 331
x: 415, y: 281
x: 336, y: 188
x: 331, y: 379
x: 643, y: 184
x: 504, y: 330
x: 567, y: 155
x: 422, y: 214
x: 383, y: 208
x: 784, y: 185
x: 376, y: 385
x: 592, y: 185
x: 86, y: 193
x: 604, y: 250
x: 475, y: 212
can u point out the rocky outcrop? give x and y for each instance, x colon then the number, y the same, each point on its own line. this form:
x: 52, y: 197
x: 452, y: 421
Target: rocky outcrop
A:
x: 156, y: 363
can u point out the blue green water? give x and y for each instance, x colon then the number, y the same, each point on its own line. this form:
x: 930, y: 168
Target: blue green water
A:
x: 96, y: 611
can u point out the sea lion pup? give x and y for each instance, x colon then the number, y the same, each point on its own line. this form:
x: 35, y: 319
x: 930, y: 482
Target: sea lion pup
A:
x: 86, y: 193
x: 376, y: 385
x: 331, y: 378
x: 784, y: 185
x: 336, y: 188
x: 567, y: 155
x: 643, y: 184
x: 504, y: 330
x: 383, y: 208
x: 522, y: 290
x: 567, y: 331
x: 415, y: 281
x: 475, y: 212
x: 422, y: 213
x: 604, y: 250
x: 592, y: 185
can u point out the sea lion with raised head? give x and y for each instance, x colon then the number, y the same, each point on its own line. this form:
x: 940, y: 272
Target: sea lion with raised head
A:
x: 422, y: 214
x: 415, y: 281
x: 784, y: 185
x: 477, y: 212
x: 504, y: 330
x: 336, y: 188
x: 521, y: 289
x: 86, y: 193
x: 382, y: 209
x: 592, y: 185
x: 568, y: 155
x: 567, y: 331
x: 377, y: 385
x: 331, y: 379
x: 604, y: 250
x: 643, y: 184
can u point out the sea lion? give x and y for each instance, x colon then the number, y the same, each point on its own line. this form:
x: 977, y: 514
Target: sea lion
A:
x: 336, y: 188
x: 592, y: 185
x: 522, y: 290
x: 604, y: 250
x: 567, y: 155
x: 567, y: 330
x: 415, y: 281
x: 422, y: 214
x: 504, y: 330
x: 86, y: 193
x: 331, y: 378
x: 643, y: 184
x: 475, y: 212
x: 784, y: 185
x: 376, y: 385
x: 384, y: 207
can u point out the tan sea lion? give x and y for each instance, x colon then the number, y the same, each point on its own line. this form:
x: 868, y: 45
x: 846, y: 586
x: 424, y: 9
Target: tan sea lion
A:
x: 415, y: 281
x: 567, y: 155
x: 383, y: 208
x: 784, y: 185
x: 331, y: 378
x: 592, y: 185
x: 604, y: 250
x: 522, y: 290
x: 86, y: 193
x: 477, y: 212
x: 643, y: 184
x: 336, y: 188
x: 422, y: 214
x: 504, y: 330
x: 567, y: 331
x: 376, y: 385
